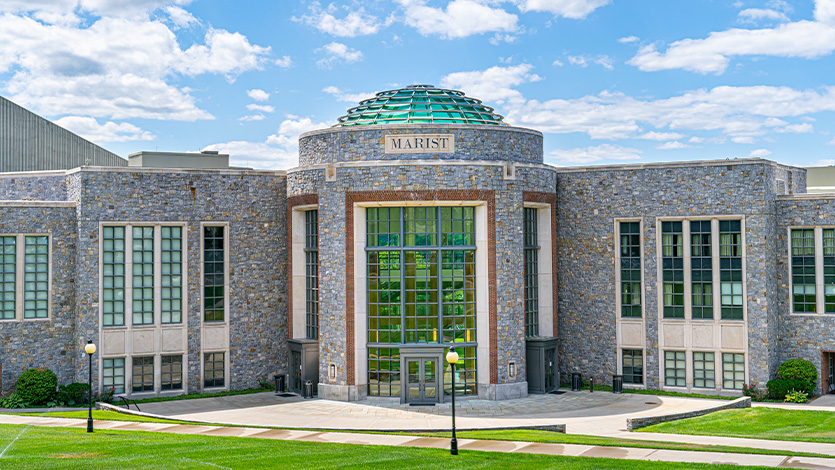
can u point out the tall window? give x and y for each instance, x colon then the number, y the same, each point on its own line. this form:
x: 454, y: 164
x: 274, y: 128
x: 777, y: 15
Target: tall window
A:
x: 531, y: 248
x: 672, y: 254
x: 829, y: 269
x: 733, y: 370
x: 730, y: 268
x: 311, y: 255
x: 803, y: 270
x: 421, y: 289
x: 171, y: 373
x: 213, y: 370
x: 674, y: 368
x: 171, y: 252
x: 113, y: 276
x: 143, y: 275
x: 701, y: 270
x: 214, y: 274
x: 630, y: 269
x: 633, y: 366
x: 143, y: 374
x: 113, y: 374
x: 704, y: 375
x: 8, y: 284
x: 36, y: 277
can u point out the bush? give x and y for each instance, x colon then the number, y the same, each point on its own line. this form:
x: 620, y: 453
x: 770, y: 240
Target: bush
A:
x: 797, y: 397
x: 753, y: 392
x: 37, y: 386
x: 72, y: 394
x: 12, y: 401
x: 105, y: 396
x: 779, y: 388
x: 802, y: 370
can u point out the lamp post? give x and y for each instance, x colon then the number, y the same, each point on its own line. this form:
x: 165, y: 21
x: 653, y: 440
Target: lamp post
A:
x: 452, y: 358
x: 90, y: 348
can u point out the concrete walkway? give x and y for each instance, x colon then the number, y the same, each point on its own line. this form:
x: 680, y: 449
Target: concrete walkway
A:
x: 781, y: 461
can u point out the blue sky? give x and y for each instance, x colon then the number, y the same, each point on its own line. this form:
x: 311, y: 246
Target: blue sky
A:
x: 606, y: 81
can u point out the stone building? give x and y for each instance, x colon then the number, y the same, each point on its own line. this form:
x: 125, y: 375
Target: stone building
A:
x: 418, y: 222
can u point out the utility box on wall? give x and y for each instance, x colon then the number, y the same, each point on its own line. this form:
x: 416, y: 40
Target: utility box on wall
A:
x: 304, y: 364
x: 541, y: 357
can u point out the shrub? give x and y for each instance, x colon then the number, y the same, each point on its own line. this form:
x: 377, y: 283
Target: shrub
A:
x: 105, y: 396
x: 72, y: 394
x: 755, y: 393
x: 779, y: 388
x: 37, y: 386
x: 797, y: 397
x: 12, y: 401
x: 802, y: 370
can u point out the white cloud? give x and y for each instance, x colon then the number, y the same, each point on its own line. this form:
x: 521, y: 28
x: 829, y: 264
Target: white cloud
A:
x: 347, y: 97
x: 743, y: 139
x: 264, y: 108
x: 110, y: 131
x: 593, y: 154
x: 557, y: 63
x: 804, y: 128
x: 180, y: 17
x: 576, y: 9
x: 461, y: 18
x: 337, y: 52
x: 252, y: 117
x: 696, y: 140
x: 806, y: 39
x: 115, y: 67
x: 661, y: 136
x: 628, y: 39
x: 672, y: 145
x: 494, y: 84
x: 752, y: 15
x: 578, y: 60
x: 284, y: 62
x: 583, y: 61
x: 355, y: 23
x: 831, y: 142
x: 291, y: 128
x: 258, y: 94
x: 126, y: 8
x: 759, y: 153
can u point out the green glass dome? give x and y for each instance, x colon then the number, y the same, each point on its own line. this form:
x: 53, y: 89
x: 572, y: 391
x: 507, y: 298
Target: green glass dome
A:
x: 420, y: 104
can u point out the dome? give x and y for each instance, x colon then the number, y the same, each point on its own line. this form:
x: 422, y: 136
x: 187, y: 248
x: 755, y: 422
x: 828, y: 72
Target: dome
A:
x: 420, y: 104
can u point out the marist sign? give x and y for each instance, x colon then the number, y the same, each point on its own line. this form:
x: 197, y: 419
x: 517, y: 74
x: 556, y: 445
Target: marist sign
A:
x: 420, y: 143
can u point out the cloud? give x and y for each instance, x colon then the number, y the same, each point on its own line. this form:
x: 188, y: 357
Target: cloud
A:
x: 661, y: 136
x: 831, y: 142
x: 337, y: 52
x: 583, y: 61
x: 115, y: 67
x: 179, y: 17
x: 355, y: 23
x: 291, y: 128
x: 557, y: 63
x: 110, y: 131
x: 593, y: 154
x: 628, y: 39
x: 461, y: 18
x: 753, y: 15
x: 284, y: 62
x: 806, y: 39
x: 494, y: 84
x: 743, y: 139
x: 575, y: 9
x: 252, y: 117
x: 672, y: 145
x: 258, y: 94
x: 264, y: 108
x: 759, y: 153
x: 347, y: 97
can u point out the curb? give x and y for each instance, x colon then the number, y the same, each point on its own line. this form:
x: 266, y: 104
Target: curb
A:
x: 636, y: 423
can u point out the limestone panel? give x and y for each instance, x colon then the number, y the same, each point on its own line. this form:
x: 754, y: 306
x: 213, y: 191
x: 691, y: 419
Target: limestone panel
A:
x: 702, y: 336
x: 113, y: 343
x: 732, y: 336
x: 632, y: 334
x: 215, y: 337
x: 673, y: 336
x: 144, y: 341
x: 173, y: 340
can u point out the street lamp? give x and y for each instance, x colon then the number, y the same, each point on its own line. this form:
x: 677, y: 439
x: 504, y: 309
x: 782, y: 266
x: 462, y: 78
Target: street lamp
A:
x: 452, y: 358
x: 90, y: 348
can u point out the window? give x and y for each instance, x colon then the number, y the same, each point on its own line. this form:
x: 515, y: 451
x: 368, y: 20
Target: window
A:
x: 633, y: 366
x: 214, y: 274
x: 703, y: 370
x: 531, y: 252
x: 829, y: 269
x: 311, y: 254
x: 733, y: 370
x: 421, y: 289
x: 143, y: 276
x: 630, y: 269
x: 674, y: 368
x: 36, y: 277
x: 171, y: 373
x: 213, y: 370
x: 672, y: 258
x: 804, y: 297
x: 171, y: 279
x: 113, y: 276
x: 113, y: 374
x: 143, y: 374
x: 701, y: 269
x: 730, y: 268
x: 8, y: 285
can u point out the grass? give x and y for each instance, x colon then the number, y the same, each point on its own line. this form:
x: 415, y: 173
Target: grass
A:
x: 63, y: 448
x: 757, y: 423
x: 523, y: 435
x: 640, y: 391
x: 192, y: 396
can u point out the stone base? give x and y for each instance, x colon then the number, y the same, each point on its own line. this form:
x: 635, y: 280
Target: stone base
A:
x: 503, y: 391
x: 342, y: 392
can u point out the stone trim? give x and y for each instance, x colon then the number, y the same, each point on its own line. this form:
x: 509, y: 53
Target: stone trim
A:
x: 139, y: 169
x: 413, y: 126
x: 691, y: 164
x: 474, y: 195
x: 37, y: 203
x: 380, y: 163
x: 550, y: 199
x: 292, y: 202
x: 635, y: 423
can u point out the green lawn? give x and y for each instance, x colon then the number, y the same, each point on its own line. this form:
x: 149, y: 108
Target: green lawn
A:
x: 65, y: 448
x: 103, y: 415
x: 759, y: 423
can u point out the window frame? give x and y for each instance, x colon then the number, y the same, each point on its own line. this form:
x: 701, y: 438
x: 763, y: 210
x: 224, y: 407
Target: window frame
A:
x: 704, y: 361
x: 677, y: 374
x: 226, y: 279
x: 20, y: 276
x: 531, y: 249
x: 311, y: 274
x: 618, y: 270
x: 622, y: 364
x: 224, y: 361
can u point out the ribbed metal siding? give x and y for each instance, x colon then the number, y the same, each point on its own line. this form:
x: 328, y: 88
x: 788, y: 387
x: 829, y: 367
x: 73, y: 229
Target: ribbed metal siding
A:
x: 29, y: 142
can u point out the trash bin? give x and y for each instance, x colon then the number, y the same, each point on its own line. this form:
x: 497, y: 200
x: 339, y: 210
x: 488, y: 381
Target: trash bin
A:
x: 617, y: 384
x: 308, y: 389
x: 280, y: 383
x: 576, y: 381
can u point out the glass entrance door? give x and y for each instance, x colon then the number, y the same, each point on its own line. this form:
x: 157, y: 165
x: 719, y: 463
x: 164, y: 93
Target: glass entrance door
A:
x: 296, y: 371
x: 550, y: 369
x: 831, y: 372
x: 422, y: 381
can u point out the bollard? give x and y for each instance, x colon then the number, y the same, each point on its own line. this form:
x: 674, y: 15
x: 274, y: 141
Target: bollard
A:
x: 280, y: 383
x: 591, y: 384
x: 617, y: 384
x: 308, y: 389
x: 576, y: 381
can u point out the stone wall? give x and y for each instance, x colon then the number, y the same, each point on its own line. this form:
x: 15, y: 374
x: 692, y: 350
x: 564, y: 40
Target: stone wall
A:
x: 636, y: 423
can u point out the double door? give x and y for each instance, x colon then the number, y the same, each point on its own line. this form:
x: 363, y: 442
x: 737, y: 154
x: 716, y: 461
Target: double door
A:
x: 422, y: 381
